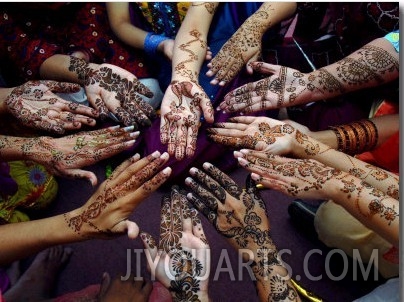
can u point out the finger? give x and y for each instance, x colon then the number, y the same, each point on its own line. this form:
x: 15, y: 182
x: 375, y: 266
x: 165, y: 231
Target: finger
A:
x: 78, y: 173
x: 99, y: 105
x: 124, y: 165
x: 265, y: 68
x: 123, y: 175
x: 208, y: 198
x: 176, y: 211
x: 112, y: 149
x: 212, y: 185
x: 139, y: 87
x: 106, y: 281
x: 271, y: 183
x: 228, y: 129
x: 164, y: 130
x: 254, y: 58
x: 149, y: 244
x: 181, y: 142
x: 225, y: 181
x: 137, y: 112
x: 127, y: 226
x: 124, y: 116
x: 240, y: 120
x: 207, y: 109
x: 191, y: 141
x: 172, y: 139
x: 186, y: 214
x: 197, y: 228
x: 62, y: 87
x: 165, y: 224
x: 202, y: 207
x: 84, y: 120
x: 76, y: 108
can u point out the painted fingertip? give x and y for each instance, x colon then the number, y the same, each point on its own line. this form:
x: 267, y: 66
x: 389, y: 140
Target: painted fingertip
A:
x: 190, y: 196
x: 167, y: 171
x: 245, y: 151
x: 237, y: 154
x: 192, y: 171
x: 134, y: 134
x: 131, y: 142
x: 188, y: 180
x: 136, y: 156
x: 207, y: 165
x: 114, y: 127
x: 129, y: 128
x: 155, y: 154
x: 256, y: 177
x: 242, y: 161
x: 165, y: 156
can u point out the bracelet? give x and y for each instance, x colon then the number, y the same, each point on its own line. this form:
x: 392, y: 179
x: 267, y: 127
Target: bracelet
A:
x: 152, y: 41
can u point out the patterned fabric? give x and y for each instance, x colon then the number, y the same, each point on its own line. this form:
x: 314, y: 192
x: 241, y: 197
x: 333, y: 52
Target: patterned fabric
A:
x: 36, y: 189
x: 32, y: 32
x: 394, y: 38
x: 164, y: 18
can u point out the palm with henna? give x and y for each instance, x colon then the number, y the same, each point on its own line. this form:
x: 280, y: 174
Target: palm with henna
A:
x: 36, y: 105
x: 240, y: 216
x: 181, y: 260
x: 181, y: 110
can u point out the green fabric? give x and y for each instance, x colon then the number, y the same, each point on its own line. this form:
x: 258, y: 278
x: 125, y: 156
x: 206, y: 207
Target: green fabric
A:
x: 36, y: 189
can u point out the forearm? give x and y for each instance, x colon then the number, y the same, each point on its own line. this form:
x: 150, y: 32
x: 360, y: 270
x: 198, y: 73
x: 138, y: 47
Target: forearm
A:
x: 20, y: 240
x: 376, y: 210
x: 191, y: 42
x: 270, y: 273
x: 386, y: 126
x: 274, y: 13
x: 309, y: 148
x: 372, y: 65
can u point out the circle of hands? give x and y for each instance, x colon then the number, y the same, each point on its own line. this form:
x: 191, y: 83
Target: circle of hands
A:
x: 36, y: 105
x: 181, y: 110
x: 181, y: 259
x: 112, y: 89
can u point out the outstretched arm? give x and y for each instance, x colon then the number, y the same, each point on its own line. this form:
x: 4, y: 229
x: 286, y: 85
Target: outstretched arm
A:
x: 103, y: 216
x: 240, y: 215
x: 311, y: 179
x: 109, y: 88
x: 372, y: 65
x: 244, y: 46
x: 185, y: 101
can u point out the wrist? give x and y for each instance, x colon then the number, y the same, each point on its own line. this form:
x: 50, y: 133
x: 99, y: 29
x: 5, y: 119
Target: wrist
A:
x: 151, y: 43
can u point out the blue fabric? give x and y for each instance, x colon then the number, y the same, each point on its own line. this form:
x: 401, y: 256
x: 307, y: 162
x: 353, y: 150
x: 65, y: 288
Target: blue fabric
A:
x: 394, y: 38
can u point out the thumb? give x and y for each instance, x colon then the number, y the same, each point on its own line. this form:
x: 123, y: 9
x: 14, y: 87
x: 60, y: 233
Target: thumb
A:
x: 254, y: 58
x: 133, y: 229
x: 78, y: 173
x: 264, y: 68
x: 149, y: 244
x: 207, y: 109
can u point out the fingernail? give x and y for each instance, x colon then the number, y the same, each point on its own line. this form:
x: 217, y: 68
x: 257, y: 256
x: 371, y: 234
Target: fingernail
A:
x: 156, y: 154
x: 188, y: 180
x: 237, y: 154
x: 114, y: 127
x: 256, y: 177
x: 192, y: 171
x: 134, y: 134
x: 164, y: 156
x: 129, y: 128
x: 206, y: 166
x: 242, y: 161
x: 136, y: 156
x: 131, y: 142
x: 167, y: 171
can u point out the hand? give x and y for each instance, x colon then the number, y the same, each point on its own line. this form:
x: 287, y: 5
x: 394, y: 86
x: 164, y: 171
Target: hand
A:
x: 257, y: 133
x: 106, y: 213
x: 181, y: 110
x: 182, y: 259
x: 285, y: 87
x: 240, y: 216
x: 66, y: 155
x: 243, y: 47
x: 124, y: 291
x: 35, y: 105
x: 110, y: 88
x: 303, y: 178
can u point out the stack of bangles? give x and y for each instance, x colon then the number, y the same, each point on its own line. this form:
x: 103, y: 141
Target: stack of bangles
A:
x: 152, y: 41
x: 356, y: 137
